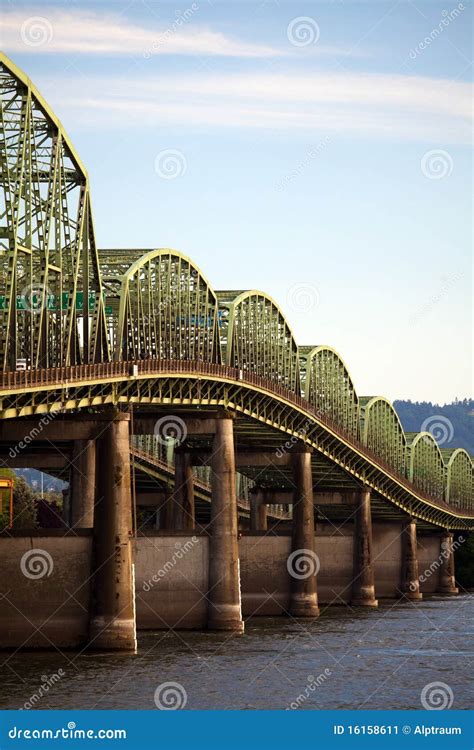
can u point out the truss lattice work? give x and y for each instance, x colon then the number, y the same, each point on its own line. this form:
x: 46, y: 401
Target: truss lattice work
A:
x: 51, y: 304
x: 62, y: 304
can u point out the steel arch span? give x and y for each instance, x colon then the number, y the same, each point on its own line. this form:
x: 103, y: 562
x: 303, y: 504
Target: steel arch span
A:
x: 145, y: 327
x: 257, y: 338
x: 329, y: 388
x: 160, y: 306
x: 51, y: 302
x: 460, y: 482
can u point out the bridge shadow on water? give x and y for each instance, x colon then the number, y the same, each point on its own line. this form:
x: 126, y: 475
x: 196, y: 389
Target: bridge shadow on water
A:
x: 373, y: 659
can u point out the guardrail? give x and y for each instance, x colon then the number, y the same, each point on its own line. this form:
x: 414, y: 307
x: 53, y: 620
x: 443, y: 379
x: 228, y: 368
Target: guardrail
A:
x: 66, y: 376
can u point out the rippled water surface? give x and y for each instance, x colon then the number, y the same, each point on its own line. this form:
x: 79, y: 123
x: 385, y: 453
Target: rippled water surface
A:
x: 346, y: 659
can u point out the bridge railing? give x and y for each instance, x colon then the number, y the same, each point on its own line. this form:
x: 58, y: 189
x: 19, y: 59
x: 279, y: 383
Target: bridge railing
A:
x: 65, y: 376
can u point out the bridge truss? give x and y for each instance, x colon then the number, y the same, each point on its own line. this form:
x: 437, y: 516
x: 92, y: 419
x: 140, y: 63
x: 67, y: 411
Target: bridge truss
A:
x: 145, y: 328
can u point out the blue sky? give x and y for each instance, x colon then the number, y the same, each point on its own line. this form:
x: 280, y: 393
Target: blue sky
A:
x: 317, y: 151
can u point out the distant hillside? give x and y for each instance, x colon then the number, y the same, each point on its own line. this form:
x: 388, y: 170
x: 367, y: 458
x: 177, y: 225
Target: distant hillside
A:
x: 33, y: 478
x: 451, y: 424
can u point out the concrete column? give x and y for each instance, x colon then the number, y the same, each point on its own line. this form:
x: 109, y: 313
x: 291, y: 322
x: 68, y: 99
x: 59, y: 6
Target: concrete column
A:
x: 303, y: 563
x: 447, y: 581
x: 258, y: 511
x: 66, y: 514
x: 410, y: 582
x: 183, y: 494
x: 113, y: 623
x: 83, y: 484
x: 225, y: 610
x: 363, y: 588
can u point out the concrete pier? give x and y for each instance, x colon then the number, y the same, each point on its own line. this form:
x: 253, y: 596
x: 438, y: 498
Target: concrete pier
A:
x: 82, y: 493
x: 363, y: 587
x: 410, y: 577
x: 447, y: 581
x: 183, y: 495
x: 112, y: 624
x: 303, y: 562
x: 225, y: 610
x: 258, y: 511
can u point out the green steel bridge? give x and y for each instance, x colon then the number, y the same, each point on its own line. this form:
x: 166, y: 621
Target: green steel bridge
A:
x: 82, y: 329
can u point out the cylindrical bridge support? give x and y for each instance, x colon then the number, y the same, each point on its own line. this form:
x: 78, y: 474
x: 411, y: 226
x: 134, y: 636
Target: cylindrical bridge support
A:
x: 225, y: 609
x: 258, y: 511
x: 183, y: 494
x: 83, y: 489
x: 303, y: 563
x: 447, y: 581
x: 113, y: 624
x: 410, y: 582
x: 363, y: 586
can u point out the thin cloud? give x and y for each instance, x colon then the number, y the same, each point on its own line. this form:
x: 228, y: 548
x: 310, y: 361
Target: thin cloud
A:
x: 389, y: 106
x: 93, y: 33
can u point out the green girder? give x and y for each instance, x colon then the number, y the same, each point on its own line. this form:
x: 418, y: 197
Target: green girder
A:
x: 460, y: 480
x: 328, y: 387
x: 427, y: 470
x: 256, y: 338
x: 51, y: 302
x: 135, y: 307
x: 382, y: 432
x: 160, y: 306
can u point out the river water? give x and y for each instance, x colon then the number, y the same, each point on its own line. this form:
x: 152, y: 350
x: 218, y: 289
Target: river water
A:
x: 345, y: 659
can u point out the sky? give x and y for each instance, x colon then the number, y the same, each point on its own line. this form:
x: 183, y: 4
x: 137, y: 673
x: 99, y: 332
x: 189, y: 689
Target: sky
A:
x: 320, y: 152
